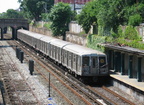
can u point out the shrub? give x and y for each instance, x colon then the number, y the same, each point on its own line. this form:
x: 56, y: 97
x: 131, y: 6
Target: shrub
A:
x: 131, y: 33
x: 135, y: 20
x: 47, y: 25
x: 94, y: 41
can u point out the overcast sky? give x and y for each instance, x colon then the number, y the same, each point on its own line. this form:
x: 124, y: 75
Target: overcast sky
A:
x: 8, y: 4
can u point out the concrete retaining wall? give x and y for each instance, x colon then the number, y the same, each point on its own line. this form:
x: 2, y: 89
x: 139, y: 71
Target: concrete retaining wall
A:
x: 75, y: 38
x: 40, y: 30
x: 136, y: 94
x: 71, y: 37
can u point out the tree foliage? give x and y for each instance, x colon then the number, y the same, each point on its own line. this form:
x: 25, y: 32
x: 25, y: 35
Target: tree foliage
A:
x: 87, y: 16
x: 109, y: 14
x: 10, y: 14
x: 135, y: 19
x: 34, y: 8
x: 60, y: 15
x: 131, y: 33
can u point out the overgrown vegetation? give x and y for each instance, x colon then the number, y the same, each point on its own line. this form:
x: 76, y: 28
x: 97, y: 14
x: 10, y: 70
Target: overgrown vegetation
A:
x: 47, y: 25
x: 94, y: 40
x: 129, y: 37
x: 107, y: 15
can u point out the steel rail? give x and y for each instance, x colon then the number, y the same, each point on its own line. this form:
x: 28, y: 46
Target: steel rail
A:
x: 15, y: 68
x: 47, y: 79
x: 91, y: 97
x: 44, y: 66
x: 117, y: 95
x: 9, y: 80
x: 110, y: 102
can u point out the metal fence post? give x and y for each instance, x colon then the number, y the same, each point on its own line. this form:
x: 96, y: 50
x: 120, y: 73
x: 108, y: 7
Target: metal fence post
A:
x: 21, y: 56
x: 31, y: 66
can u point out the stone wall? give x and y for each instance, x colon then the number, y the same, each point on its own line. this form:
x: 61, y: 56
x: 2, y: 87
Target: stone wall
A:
x: 76, y: 29
x: 40, y: 30
x: 76, y: 38
x: 71, y: 37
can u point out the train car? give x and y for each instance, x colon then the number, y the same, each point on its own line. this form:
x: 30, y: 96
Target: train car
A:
x: 83, y: 62
x: 56, y: 50
x: 30, y: 38
x: 44, y: 44
x: 24, y: 36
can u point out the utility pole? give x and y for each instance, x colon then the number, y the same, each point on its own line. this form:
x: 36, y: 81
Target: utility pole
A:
x: 49, y: 85
x: 74, y: 5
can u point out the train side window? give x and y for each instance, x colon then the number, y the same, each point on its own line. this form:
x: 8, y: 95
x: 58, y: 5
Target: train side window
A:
x: 69, y: 56
x: 74, y: 58
x: 65, y: 54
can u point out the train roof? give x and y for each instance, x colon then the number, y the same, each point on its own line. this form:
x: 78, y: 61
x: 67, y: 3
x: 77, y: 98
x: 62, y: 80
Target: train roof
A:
x: 29, y: 33
x: 81, y: 50
x: 23, y: 31
x: 59, y: 43
x: 36, y: 35
x: 47, y: 38
x: 77, y: 49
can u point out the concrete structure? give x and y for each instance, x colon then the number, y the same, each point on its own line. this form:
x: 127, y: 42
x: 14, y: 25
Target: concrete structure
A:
x: 126, y: 60
x: 15, y: 24
x: 75, y: 5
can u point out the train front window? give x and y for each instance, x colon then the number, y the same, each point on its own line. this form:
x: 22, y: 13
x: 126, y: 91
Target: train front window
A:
x: 94, y: 63
x: 102, y: 62
x: 85, y: 61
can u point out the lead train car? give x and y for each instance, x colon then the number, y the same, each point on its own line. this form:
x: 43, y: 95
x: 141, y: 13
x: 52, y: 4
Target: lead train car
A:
x: 83, y: 62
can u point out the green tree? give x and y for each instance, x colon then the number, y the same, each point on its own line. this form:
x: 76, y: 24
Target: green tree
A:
x: 87, y: 17
x: 135, y: 20
x: 34, y: 8
x: 10, y: 13
x: 131, y: 33
x: 109, y: 14
x: 60, y: 15
x: 3, y: 15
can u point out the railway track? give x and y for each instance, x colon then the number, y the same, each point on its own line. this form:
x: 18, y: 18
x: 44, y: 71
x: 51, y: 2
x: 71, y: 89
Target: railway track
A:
x: 87, y: 94
x: 15, y: 87
x: 51, y: 69
x: 93, y: 95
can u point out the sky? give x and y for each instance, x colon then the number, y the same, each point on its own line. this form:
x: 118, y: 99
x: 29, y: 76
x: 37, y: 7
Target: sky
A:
x: 8, y: 4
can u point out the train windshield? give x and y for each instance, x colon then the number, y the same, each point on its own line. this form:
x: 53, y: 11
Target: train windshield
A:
x: 85, y: 61
x: 102, y: 62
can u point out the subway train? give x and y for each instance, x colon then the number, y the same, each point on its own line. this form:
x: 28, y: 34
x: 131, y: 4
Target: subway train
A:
x: 83, y: 62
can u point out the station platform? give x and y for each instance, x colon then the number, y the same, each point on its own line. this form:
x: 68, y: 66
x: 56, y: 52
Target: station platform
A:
x: 131, y: 86
x: 129, y: 81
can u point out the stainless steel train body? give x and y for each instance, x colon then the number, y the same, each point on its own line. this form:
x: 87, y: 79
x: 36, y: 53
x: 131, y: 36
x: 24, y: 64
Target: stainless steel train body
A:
x: 82, y: 61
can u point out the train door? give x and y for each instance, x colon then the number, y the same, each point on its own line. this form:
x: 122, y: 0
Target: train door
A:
x: 58, y: 54
x: 69, y: 60
x: 86, y: 65
x: 94, y: 65
x: 49, y: 49
x: 79, y: 65
x: 65, y: 58
x: 72, y: 60
x: 62, y: 57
